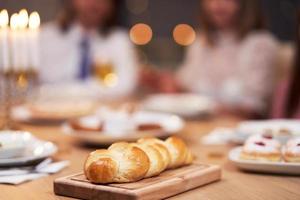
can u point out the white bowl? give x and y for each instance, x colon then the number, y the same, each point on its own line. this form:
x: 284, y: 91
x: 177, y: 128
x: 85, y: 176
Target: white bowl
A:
x: 13, y: 143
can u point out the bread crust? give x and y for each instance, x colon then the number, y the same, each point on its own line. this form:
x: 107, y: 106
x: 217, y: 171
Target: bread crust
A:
x: 133, y: 162
x: 178, y: 151
x: 161, y: 147
x: 99, y: 167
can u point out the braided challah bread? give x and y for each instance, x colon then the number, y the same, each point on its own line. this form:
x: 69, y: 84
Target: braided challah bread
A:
x: 128, y: 162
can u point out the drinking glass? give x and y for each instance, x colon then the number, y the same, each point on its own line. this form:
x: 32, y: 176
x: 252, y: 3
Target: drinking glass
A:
x: 105, y: 73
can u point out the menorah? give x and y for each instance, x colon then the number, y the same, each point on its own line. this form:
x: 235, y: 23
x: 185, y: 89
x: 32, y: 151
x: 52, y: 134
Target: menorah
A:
x: 18, y: 59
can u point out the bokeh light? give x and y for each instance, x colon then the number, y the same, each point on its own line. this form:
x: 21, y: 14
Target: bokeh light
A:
x: 184, y: 34
x: 141, y: 34
x: 110, y: 80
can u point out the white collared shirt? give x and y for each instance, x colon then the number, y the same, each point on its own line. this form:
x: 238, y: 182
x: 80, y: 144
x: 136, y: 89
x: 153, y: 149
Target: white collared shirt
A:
x: 60, y: 57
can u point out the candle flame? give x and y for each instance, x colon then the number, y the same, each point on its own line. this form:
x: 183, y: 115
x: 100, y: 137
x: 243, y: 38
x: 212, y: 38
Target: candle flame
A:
x: 34, y: 20
x: 14, y: 21
x: 4, y: 19
x: 23, y: 18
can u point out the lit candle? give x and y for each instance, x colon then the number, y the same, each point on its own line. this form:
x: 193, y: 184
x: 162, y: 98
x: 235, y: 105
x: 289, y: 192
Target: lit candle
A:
x: 34, y: 24
x: 15, y: 41
x: 4, y: 48
x: 23, y: 34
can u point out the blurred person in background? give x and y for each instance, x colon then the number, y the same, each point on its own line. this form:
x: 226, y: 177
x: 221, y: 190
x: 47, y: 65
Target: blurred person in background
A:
x: 231, y: 60
x: 84, y: 45
x: 287, y: 99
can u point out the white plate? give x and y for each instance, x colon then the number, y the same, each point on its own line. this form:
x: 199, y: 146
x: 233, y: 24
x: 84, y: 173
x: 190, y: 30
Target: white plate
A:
x: 35, y: 150
x: 263, y: 166
x: 23, y: 113
x: 186, y: 105
x: 248, y: 128
x: 171, y: 124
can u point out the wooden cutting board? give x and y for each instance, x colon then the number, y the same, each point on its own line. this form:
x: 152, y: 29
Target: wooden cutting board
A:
x: 169, y: 183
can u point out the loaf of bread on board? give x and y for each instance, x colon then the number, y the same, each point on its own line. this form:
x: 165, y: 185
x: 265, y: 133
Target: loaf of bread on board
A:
x: 126, y: 162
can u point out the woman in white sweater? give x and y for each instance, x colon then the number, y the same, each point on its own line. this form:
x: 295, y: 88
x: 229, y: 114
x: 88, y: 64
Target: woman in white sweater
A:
x: 232, y: 59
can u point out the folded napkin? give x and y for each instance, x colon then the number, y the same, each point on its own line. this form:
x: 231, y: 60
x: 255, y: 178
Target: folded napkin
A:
x: 17, y: 176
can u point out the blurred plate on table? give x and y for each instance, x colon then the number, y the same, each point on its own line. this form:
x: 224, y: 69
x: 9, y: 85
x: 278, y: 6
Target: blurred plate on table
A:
x: 103, y: 129
x: 61, y: 91
x: 52, y: 110
x: 282, y: 129
x: 263, y: 166
x: 186, y: 105
x: 32, y: 149
x: 12, y: 143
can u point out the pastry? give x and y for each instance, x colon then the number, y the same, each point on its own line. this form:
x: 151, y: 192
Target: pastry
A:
x: 260, y: 150
x: 128, y: 162
x: 291, y: 151
x: 266, y: 137
x: 284, y: 132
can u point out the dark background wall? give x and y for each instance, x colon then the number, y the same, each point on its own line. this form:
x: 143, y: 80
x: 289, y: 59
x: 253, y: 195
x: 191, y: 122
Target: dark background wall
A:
x: 163, y: 15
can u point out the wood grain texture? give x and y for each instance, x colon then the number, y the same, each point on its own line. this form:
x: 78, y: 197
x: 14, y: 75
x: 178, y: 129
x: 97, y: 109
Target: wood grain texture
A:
x: 235, y: 185
x: 167, y: 184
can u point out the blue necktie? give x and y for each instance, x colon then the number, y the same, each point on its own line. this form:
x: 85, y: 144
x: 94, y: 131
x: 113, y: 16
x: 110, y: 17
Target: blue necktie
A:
x: 85, y: 62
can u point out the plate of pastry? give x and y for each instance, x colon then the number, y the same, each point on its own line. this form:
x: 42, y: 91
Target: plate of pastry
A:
x: 19, y: 148
x: 108, y: 126
x: 52, y: 110
x: 281, y: 129
x: 185, y: 105
x: 263, y: 153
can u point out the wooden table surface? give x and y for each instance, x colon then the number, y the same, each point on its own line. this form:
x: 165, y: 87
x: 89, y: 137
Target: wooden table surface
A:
x: 234, y: 184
